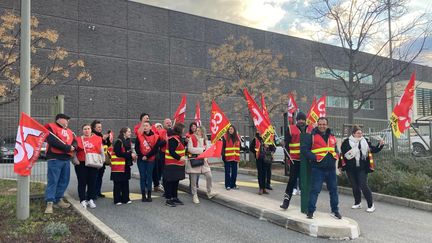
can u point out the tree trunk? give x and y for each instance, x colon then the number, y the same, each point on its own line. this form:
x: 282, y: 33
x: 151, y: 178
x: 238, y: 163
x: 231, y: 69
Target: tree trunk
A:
x: 350, y: 110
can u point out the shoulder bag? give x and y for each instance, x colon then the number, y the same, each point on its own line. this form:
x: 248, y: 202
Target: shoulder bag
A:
x: 93, y: 160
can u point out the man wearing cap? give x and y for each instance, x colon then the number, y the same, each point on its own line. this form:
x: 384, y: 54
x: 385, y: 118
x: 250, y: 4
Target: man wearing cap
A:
x: 61, y: 145
x: 292, y: 144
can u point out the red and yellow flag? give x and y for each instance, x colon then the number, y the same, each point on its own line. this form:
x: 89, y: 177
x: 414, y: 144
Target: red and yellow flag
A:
x: 261, y: 123
x: 402, y: 113
x: 317, y: 110
x: 219, y: 123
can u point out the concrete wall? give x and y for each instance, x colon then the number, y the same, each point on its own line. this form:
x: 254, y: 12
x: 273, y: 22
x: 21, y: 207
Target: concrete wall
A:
x: 142, y: 59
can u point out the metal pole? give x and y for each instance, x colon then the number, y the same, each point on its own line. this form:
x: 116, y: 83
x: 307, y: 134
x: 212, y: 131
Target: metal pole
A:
x: 23, y: 193
x: 394, y: 140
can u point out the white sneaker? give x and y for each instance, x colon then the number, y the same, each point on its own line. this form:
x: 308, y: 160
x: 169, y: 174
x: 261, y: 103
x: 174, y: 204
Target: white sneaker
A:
x: 195, y: 199
x: 129, y: 202
x: 84, y: 204
x: 356, y: 206
x: 92, y: 204
x: 371, y: 209
x: 119, y: 203
x: 211, y: 195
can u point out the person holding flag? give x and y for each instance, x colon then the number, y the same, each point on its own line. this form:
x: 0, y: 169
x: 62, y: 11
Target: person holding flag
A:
x: 96, y: 127
x: 61, y: 145
x: 264, y: 158
x: 292, y: 143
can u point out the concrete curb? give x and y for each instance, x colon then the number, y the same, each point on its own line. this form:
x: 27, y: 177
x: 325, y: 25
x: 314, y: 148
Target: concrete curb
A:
x: 297, y: 221
x: 400, y: 201
x: 99, y: 225
x: 309, y: 227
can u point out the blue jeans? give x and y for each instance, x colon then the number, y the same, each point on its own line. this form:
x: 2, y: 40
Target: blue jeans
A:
x: 319, y: 175
x: 145, y: 168
x: 58, y: 179
x: 230, y: 174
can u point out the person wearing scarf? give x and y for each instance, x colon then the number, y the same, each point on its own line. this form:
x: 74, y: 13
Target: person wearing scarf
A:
x: 356, y: 151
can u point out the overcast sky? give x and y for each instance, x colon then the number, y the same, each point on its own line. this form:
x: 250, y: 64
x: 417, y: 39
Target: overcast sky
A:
x: 282, y: 16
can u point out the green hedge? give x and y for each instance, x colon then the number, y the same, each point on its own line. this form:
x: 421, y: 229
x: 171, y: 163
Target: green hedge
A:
x: 402, y: 177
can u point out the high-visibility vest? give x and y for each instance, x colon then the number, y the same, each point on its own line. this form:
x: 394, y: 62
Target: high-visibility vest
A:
x: 257, y: 147
x: 294, y: 145
x: 65, y: 134
x: 232, y: 150
x: 118, y: 164
x: 371, y: 162
x: 320, y: 148
x: 180, y: 150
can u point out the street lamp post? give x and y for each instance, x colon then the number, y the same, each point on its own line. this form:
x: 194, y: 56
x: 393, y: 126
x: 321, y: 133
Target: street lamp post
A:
x: 394, y: 140
x: 23, y: 191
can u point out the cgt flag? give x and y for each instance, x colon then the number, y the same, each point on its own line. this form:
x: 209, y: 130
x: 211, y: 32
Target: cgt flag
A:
x: 197, y: 114
x: 261, y: 123
x: 29, y: 140
x: 214, y: 151
x: 219, y: 123
x: 180, y: 114
x: 292, y: 108
x: 318, y: 109
x: 402, y: 113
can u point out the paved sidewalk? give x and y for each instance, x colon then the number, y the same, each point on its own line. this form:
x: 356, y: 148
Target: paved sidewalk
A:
x: 266, y: 208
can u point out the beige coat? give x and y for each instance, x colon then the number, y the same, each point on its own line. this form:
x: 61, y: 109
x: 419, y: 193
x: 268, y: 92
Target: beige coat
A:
x: 197, y: 150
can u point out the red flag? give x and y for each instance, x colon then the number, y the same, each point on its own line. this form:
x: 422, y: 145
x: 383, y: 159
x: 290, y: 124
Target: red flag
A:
x: 198, y: 114
x: 29, y: 140
x: 292, y: 108
x: 180, y: 113
x: 318, y: 109
x: 402, y: 113
x: 264, y: 109
x: 214, y: 151
x: 219, y: 123
x: 261, y: 123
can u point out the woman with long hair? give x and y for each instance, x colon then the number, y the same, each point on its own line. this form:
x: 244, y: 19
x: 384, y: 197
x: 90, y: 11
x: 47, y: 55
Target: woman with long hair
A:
x: 195, y: 147
x: 121, y: 161
x: 87, y: 143
x: 231, y: 157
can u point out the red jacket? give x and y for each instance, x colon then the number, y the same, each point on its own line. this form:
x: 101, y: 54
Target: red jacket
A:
x: 92, y: 144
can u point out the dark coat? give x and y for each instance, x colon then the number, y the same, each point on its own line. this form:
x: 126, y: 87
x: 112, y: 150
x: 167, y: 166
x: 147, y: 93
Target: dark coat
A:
x: 350, y: 165
x: 127, y: 144
x: 328, y: 162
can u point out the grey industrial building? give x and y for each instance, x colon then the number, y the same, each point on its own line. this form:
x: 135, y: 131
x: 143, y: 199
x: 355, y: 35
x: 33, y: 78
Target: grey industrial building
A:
x: 142, y: 59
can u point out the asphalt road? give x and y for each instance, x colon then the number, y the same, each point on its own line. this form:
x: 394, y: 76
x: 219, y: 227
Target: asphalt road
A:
x: 211, y: 222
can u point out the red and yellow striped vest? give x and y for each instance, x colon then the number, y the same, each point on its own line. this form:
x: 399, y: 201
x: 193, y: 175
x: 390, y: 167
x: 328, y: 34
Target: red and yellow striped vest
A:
x: 320, y: 148
x: 180, y: 150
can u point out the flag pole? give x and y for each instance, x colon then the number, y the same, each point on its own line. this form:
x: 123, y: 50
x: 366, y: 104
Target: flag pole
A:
x: 23, y: 182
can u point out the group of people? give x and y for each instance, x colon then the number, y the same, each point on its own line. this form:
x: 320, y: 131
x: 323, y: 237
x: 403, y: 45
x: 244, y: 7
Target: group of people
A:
x: 320, y: 149
x: 164, y: 155
x: 162, y: 152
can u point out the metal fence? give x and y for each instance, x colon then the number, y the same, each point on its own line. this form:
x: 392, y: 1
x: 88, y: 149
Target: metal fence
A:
x: 43, y: 110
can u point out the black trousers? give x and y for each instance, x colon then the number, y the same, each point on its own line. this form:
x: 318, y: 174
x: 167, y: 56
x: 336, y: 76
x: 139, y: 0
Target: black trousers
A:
x: 121, y: 191
x: 86, y: 177
x: 263, y: 169
x: 157, y: 171
x: 293, y: 176
x: 358, y: 180
x: 99, y: 178
x: 268, y: 175
x: 171, y: 188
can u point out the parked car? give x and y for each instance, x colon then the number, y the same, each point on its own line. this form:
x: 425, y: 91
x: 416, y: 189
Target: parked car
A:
x: 7, y: 147
x: 418, y: 146
x: 244, y: 144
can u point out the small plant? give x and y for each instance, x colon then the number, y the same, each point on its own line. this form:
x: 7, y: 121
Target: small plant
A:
x: 56, y: 230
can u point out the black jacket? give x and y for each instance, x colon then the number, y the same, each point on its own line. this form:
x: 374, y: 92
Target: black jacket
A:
x: 364, y: 163
x: 252, y: 146
x: 328, y: 162
x: 118, y: 144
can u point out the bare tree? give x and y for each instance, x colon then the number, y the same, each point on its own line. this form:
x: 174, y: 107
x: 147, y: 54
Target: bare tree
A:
x: 57, y: 67
x: 237, y: 65
x: 362, y: 26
